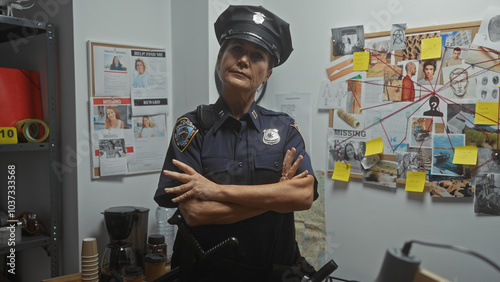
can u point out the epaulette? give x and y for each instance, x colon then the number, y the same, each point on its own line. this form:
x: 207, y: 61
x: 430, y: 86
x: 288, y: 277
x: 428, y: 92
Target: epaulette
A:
x: 206, y: 117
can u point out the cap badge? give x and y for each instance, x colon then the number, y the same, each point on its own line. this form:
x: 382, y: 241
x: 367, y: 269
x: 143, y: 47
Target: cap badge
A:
x: 271, y: 137
x: 259, y: 18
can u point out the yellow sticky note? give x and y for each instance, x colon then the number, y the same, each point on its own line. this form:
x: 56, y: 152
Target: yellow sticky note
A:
x: 465, y: 155
x: 431, y: 48
x: 360, y: 61
x: 341, y: 172
x: 415, y: 181
x: 374, y: 147
x: 486, y: 113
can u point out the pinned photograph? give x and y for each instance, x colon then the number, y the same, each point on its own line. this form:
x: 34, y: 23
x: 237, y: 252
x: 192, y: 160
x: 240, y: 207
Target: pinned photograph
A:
x: 443, y: 153
x: 413, y: 45
x: 380, y: 56
x: 393, y: 82
x: 114, y: 62
x: 407, y: 161
x: 453, y: 56
x: 421, y: 132
x: 430, y: 75
x: 487, y: 194
x: 459, y: 82
x: 487, y: 86
x: 398, y: 33
x: 112, y: 117
x: 410, y: 69
x: 450, y: 187
x: 460, y: 117
x: 347, y: 40
x: 333, y: 94
x: 487, y: 162
x: 149, y: 126
x: 483, y: 57
x: 424, y: 158
x: 488, y: 34
x: 383, y: 173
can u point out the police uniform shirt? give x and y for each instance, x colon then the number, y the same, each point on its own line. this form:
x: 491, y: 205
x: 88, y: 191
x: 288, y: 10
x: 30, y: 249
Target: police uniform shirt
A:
x: 248, y: 151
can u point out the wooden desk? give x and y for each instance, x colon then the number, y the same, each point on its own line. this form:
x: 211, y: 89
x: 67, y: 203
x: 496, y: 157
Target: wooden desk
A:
x: 423, y: 275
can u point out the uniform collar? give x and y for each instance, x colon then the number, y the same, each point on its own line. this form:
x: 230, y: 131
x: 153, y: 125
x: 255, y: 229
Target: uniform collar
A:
x: 223, y: 113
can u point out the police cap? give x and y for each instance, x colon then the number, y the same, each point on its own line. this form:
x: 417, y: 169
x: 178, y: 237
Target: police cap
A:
x: 257, y: 25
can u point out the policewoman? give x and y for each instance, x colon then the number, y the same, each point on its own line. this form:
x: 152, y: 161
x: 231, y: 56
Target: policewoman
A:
x: 235, y: 169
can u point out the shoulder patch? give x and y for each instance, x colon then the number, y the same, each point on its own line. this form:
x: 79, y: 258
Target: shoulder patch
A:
x: 184, y: 131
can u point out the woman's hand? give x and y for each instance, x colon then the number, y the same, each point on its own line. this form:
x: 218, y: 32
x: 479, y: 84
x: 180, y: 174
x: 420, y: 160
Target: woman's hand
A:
x: 289, y: 170
x: 194, y: 184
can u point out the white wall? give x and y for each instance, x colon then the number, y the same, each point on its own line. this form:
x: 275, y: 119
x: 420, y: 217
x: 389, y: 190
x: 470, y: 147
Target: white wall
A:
x: 363, y: 221
x: 129, y: 22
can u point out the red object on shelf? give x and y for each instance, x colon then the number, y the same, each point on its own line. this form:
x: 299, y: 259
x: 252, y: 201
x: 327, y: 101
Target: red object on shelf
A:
x: 20, y: 96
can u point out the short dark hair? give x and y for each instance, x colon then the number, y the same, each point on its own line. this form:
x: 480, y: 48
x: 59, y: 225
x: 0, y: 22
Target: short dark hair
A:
x: 430, y: 63
x: 457, y: 49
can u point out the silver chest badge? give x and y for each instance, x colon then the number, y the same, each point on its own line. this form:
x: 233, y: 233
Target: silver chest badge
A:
x: 271, y: 137
x: 259, y: 18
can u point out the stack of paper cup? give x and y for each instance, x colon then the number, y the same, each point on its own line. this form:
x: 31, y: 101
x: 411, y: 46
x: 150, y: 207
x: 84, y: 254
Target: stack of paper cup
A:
x: 90, y: 260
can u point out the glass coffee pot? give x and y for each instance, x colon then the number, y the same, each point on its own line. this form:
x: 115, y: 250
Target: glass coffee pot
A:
x: 116, y: 257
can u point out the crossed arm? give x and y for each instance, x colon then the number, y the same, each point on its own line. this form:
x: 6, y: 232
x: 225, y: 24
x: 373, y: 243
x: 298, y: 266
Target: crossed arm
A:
x: 202, y: 201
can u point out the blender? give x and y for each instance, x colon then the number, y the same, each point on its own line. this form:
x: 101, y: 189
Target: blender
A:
x: 127, y: 230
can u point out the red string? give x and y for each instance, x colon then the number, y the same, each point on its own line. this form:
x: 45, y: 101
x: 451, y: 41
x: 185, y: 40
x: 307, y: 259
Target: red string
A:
x: 426, y: 97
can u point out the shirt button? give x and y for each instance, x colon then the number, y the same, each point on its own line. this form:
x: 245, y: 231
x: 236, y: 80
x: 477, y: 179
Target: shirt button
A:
x: 240, y: 164
x: 276, y: 164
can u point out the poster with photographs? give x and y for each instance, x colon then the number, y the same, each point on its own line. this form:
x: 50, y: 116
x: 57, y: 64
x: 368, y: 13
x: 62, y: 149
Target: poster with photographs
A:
x: 421, y: 109
x: 112, y: 153
x: 346, y: 146
x: 128, y: 97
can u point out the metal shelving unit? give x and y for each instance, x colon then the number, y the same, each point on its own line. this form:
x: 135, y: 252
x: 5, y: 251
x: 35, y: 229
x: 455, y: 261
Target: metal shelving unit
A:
x: 12, y: 28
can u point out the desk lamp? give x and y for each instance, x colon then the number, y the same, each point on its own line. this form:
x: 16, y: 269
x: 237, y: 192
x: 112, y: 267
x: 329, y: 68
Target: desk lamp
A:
x: 400, y: 266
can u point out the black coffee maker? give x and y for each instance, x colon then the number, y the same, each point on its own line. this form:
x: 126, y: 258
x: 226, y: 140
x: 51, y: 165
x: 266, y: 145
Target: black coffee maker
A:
x: 127, y: 228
